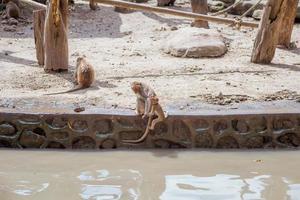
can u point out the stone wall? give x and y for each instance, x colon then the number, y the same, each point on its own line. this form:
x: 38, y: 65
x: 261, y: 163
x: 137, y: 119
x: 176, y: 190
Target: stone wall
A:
x: 103, y: 131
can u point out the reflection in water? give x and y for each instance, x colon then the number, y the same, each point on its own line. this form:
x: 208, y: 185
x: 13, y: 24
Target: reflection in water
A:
x: 122, y: 175
x: 293, y: 189
x: 98, y: 192
x: 26, y: 188
x: 221, y: 186
x: 105, y: 185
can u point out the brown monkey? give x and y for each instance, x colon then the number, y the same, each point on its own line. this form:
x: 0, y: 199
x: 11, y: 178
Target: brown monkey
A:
x: 84, y: 75
x: 143, y: 93
x: 12, y: 10
x: 157, y: 110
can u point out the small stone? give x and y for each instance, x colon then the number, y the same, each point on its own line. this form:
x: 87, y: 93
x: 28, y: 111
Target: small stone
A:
x: 79, y: 109
x: 174, y: 28
x: 257, y: 14
x: 12, y: 21
x: 10, y: 28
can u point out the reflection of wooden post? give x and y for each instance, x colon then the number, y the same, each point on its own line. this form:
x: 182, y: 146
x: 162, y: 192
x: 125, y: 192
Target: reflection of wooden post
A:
x: 201, y: 7
x: 38, y: 27
x: 56, y: 39
x: 288, y: 22
x: 269, y: 30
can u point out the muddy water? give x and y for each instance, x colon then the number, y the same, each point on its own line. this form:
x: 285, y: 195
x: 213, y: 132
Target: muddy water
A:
x: 166, y: 175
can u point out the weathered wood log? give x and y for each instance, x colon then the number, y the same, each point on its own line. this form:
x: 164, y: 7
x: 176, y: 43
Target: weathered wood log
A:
x: 56, y: 39
x: 29, y: 4
x: 135, y: 6
x: 201, y: 7
x: 269, y: 30
x: 288, y: 22
x: 38, y: 28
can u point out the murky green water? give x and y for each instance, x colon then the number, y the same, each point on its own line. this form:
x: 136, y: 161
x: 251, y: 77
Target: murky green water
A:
x: 166, y: 175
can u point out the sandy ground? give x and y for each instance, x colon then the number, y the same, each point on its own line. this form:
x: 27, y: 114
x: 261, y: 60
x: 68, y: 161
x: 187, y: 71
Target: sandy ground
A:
x: 128, y: 47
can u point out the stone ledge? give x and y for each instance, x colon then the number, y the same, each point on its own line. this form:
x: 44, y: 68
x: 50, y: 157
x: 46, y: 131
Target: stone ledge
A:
x: 104, y: 129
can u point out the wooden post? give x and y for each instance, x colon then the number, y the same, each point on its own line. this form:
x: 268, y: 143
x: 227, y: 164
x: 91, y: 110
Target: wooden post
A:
x: 38, y: 27
x: 93, y: 5
x: 269, y: 30
x: 201, y: 7
x: 288, y: 23
x: 56, y: 39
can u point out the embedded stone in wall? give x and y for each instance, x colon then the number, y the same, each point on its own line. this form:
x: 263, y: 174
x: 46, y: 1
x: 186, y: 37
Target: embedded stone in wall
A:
x: 199, y: 124
x: 130, y: 135
x: 195, y: 42
x: 289, y: 139
x: 227, y: 142
x: 7, y: 129
x: 108, y: 144
x: 57, y: 122
x: 29, y: 139
x: 79, y: 125
x: 55, y: 145
x: 181, y: 131
x: 203, y: 140
x: 255, y: 142
x: 29, y: 119
x: 165, y: 144
x: 160, y: 129
x: 60, y: 135
x: 39, y: 131
x: 220, y: 126
x: 83, y: 142
x: 283, y: 123
x: 103, y: 128
x: 5, y: 144
x: 240, y: 126
x: 258, y: 124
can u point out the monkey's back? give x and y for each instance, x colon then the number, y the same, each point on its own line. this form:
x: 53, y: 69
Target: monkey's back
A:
x: 12, y: 10
x: 85, y: 74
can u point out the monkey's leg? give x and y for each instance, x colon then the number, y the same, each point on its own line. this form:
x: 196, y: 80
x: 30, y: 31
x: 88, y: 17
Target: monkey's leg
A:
x: 155, y: 121
x: 140, y: 106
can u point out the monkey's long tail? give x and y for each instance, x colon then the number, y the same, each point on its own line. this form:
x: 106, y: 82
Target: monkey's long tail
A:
x: 79, y: 87
x: 141, y: 139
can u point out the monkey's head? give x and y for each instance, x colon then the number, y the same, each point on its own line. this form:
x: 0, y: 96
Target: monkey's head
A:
x: 154, y: 100
x: 136, y: 87
x: 80, y: 58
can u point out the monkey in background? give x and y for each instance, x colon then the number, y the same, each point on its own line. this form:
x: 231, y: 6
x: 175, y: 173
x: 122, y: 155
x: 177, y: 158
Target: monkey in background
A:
x: 84, y: 75
x: 12, y: 10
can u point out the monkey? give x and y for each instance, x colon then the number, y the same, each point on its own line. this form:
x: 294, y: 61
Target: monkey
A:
x: 143, y: 93
x: 157, y: 110
x: 12, y: 10
x: 84, y: 75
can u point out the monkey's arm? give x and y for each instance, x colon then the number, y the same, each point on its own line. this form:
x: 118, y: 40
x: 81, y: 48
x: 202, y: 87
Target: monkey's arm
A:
x: 140, y: 106
x: 148, y: 107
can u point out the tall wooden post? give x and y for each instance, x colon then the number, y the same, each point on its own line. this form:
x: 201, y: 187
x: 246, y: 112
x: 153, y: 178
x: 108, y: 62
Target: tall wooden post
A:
x: 56, y: 38
x: 38, y: 27
x: 288, y: 23
x: 201, y: 7
x: 269, y: 30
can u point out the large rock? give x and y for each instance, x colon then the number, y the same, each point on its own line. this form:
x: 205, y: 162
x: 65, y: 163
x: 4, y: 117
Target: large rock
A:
x: 242, y: 7
x: 195, y: 43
